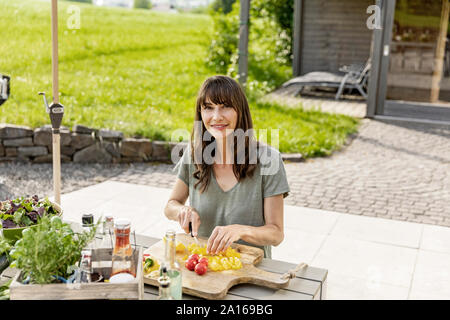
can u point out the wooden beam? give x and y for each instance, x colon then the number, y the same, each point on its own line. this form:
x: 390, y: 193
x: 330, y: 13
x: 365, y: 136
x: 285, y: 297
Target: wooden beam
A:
x: 55, y: 51
x: 380, y: 59
x: 297, y: 38
x: 243, y: 42
x: 55, y: 86
x: 440, y: 51
x: 375, y: 58
x: 387, y: 24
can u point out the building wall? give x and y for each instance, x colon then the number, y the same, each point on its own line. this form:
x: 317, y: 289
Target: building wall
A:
x: 334, y: 33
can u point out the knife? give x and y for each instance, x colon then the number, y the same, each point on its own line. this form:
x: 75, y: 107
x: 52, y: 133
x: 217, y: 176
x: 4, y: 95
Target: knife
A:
x: 190, y: 230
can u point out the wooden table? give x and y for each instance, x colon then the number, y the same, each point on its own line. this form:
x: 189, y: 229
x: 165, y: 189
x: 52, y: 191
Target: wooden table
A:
x: 309, y: 284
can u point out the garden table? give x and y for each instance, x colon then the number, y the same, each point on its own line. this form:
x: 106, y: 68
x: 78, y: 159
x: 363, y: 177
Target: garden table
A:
x: 310, y: 283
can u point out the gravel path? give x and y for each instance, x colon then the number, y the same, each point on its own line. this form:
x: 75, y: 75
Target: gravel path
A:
x: 18, y: 179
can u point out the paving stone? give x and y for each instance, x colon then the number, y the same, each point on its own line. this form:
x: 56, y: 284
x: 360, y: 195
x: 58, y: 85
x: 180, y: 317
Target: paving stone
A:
x: 78, y: 128
x: 32, y: 151
x: 160, y: 151
x: 18, y: 142
x: 92, y: 154
x: 80, y: 141
x: 10, y: 152
x: 8, y: 159
x: 112, y: 148
x: 68, y: 150
x: 110, y: 134
x: 141, y: 148
x: 43, y: 136
x: 9, y: 131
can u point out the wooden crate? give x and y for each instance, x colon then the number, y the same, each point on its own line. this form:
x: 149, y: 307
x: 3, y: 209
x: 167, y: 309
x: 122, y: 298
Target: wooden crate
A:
x: 101, y: 259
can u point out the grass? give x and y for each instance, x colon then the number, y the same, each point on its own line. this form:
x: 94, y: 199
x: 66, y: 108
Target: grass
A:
x: 136, y: 71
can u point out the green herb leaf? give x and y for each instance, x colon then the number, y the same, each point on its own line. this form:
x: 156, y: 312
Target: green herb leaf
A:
x: 50, y: 249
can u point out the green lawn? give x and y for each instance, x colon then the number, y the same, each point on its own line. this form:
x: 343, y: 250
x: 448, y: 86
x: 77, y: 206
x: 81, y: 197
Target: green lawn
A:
x: 135, y: 71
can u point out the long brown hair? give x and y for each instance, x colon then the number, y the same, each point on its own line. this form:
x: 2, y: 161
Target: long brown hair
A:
x: 226, y: 91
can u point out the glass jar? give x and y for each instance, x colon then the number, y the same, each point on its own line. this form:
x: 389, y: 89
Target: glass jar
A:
x: 123, y: 266
x: 107, y: 241
x: 87, y: 223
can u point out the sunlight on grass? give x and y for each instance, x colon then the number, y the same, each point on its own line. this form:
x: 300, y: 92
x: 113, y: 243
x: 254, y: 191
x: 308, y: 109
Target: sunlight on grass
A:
x: 136, y: 71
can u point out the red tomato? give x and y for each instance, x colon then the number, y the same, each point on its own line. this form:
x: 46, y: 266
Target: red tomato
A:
x: 145, y: 256
x: 203, y: 260
x: 194, y: 257
x: 200, y: 268
x: 190, y: 264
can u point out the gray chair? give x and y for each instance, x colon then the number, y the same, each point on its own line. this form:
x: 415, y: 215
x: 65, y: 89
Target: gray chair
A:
x: 354, y: 76
x: 4, y: 88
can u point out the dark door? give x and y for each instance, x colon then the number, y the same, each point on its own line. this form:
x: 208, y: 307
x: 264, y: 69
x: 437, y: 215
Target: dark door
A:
x: 413, y: 54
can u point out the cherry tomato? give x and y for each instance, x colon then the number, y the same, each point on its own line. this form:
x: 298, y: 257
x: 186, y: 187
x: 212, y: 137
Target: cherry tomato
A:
x: 194, y: 257
x: 200, y: 268
x: 190, y: 264
x: 203, y: 260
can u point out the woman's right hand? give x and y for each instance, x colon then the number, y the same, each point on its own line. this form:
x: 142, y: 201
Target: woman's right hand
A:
x: 188, y: 214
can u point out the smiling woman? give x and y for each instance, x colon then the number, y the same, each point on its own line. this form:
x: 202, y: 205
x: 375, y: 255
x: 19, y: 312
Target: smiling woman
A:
x: 234, y: 197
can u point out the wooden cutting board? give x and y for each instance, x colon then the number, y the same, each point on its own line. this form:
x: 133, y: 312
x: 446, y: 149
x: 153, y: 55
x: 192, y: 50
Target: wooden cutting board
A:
x: 215, y: 284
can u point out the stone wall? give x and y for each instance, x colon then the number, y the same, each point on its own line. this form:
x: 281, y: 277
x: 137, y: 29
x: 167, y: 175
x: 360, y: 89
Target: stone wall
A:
x: 81, y: 144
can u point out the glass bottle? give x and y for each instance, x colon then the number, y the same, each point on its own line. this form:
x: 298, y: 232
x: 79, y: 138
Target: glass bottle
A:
x: 108, y: 229
x: 164, y: 286
x: 87, y: 223
x: 85, y: 269
x: 123, y: 266
x: 173, y: 268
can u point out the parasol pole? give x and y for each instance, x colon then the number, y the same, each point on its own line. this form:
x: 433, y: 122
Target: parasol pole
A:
x: 55, y: 110
x: 56, y: 137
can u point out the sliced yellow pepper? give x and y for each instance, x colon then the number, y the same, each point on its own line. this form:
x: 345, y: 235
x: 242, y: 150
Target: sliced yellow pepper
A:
x: 227, y: 260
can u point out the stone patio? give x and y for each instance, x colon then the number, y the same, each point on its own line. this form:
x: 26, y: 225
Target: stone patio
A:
x: 366, y: 257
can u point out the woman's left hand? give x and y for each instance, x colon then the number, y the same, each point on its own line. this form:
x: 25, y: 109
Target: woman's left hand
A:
x: 222, y: 237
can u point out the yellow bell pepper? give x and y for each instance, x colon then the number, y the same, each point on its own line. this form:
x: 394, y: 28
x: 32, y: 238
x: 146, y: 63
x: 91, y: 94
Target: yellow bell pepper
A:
x: 180, y: 248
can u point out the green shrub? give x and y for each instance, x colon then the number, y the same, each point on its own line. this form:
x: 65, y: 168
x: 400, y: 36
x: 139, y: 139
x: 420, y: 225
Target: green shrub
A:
x: 270, y: 48
x: 225, y: 41
x: 224, y: 6
x: 142, y: 4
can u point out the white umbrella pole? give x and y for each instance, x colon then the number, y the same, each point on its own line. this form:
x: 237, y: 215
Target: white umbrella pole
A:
x: 55, y: 133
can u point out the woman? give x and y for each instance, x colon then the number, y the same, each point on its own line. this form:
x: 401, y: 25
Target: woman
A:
x: 235, y: 193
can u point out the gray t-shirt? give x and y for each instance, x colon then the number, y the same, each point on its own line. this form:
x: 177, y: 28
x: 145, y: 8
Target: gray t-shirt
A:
x: 244, y: 202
